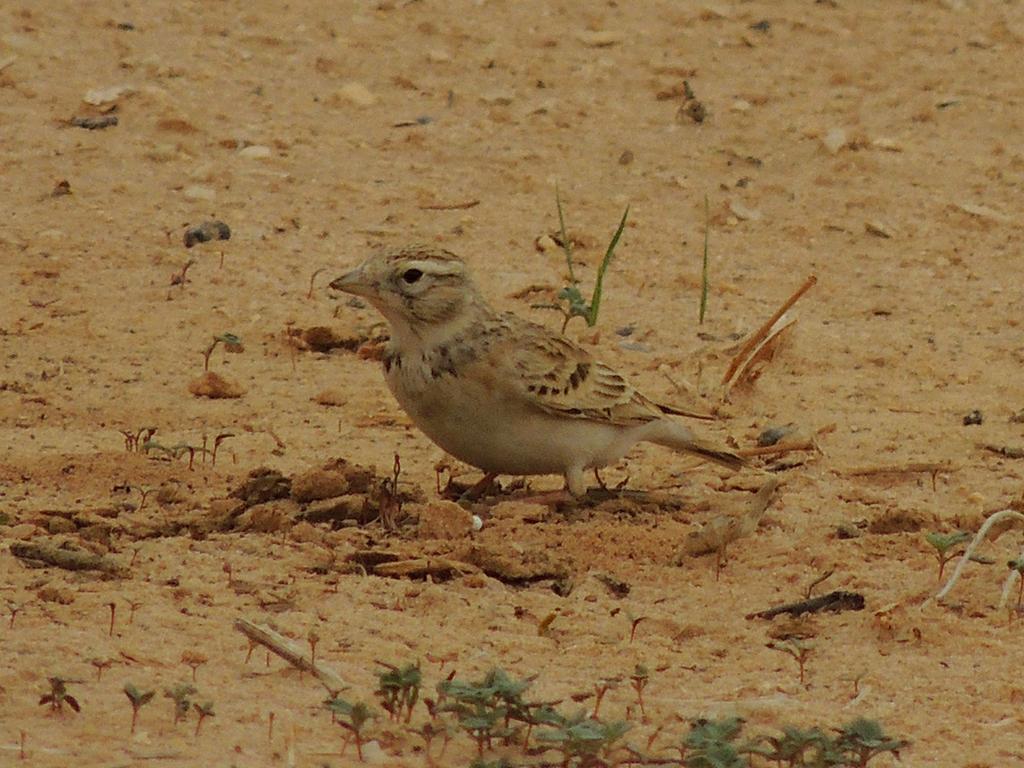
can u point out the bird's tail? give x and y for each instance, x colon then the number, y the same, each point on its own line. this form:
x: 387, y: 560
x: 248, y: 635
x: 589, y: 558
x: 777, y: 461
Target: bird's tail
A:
x: 725, y: 458
x: 677, y: 437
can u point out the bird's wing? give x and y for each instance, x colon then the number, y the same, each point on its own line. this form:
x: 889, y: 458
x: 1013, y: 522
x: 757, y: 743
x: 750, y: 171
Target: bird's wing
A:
x: 552, y: 373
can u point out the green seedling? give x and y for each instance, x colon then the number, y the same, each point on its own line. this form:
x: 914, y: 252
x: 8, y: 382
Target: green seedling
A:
x: 588, y: 741
x: 704, y: 268
x: 390, y: 499
x: 601, y: 687
x: 101, y: 664
x: 639, y: 679
x: 203, y: 711
x: 398, y: 689
x: 799, y: 649
x: 138, y: 699
x: 712, y: 744
x: 194, y: 660
x: 231, y: 344
x: 573, y: 304
x: 353, y: 718
x: 946, y: 546
x: 58, y: 695
x: 486, y: 710
x: 793, y: 745
x: 863, y: 740
x: 181, y: 696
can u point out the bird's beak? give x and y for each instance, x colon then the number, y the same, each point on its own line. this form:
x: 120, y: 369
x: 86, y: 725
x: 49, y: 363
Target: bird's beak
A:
x: 354, y: 282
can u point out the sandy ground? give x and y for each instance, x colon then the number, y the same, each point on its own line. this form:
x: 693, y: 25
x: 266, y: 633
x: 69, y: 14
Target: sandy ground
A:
x: 876, y: 145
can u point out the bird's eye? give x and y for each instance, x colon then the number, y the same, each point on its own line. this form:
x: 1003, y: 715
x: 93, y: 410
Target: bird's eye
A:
x: 412, y: 275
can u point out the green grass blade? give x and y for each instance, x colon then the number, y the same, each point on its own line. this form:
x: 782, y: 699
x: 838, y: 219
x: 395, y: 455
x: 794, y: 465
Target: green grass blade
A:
x: 704, y: 270
x: 595, y: 303
x: 566, y: 244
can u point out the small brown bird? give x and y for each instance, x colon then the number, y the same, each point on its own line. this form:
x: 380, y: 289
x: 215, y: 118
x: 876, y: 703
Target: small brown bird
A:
x: 498, y: 392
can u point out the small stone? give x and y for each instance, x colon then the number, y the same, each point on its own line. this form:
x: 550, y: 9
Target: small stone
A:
x: 879, y: 229
x: 54, y: 594
x: 196, y: 192
x: 162, y: 153
x: 545, y: 243
x: 57, y: 525
x: 740, y: 105
x: 601, y: 38
x: 374, y: 754
x: 98, y: 96
x: 306, y: 533
x: 357, y: 94
x: 170, y: 493
x: 269, y: 517
x: 834, y: 140
x: 773, y: 435
x: 848, y: 530
x: 215, y: 387
x: 21, y: 532
x: 478, y: 523
x: 255, y: 152
x: 442, y: 520
x: 319, y: 484
x: 331, y: 397
x: 973, y: 418
x: 887, y: 144
x: 983, y: 212
x: 439, y: 56
x: 626, y: 157
x: 743, y: 213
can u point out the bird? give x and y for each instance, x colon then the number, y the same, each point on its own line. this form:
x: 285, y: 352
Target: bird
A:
x: 499, y: 392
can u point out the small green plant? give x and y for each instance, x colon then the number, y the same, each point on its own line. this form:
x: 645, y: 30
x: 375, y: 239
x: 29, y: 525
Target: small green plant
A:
x: 353, y: 718
x: 712, y: 744
x: 58, y: 695
x: 799, y: 649
x: 399, y: 689
x: 181, y: 696
x: 138, y: 699
x: 203, y: 711
x: 231, y: 344
x: 573, y: 304
x: 863, y: 740
x: 794, y: 747
x: 585, y: 740
x: 946, y: 546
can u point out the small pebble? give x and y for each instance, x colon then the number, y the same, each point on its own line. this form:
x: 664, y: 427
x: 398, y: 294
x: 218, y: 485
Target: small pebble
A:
x: 94, y: 123
x: 478, y: 522
x: 601, y: 38
x: 255, y: 152
x: 773, y: 435
x: 834, y: 140
x: 973, y: 418
x: 358, y: 94
x: 196, y: 192
x: 207, y: 231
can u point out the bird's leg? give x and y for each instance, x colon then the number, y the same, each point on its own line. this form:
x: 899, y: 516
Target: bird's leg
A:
x: 600, y: 482
x: 479, y: 488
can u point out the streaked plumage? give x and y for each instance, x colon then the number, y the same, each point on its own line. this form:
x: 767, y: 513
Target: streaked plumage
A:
x: 499, y: 392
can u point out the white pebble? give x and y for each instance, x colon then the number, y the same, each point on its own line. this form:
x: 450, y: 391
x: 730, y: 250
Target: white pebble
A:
x: 199, y: 193
x: 255, y: 152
